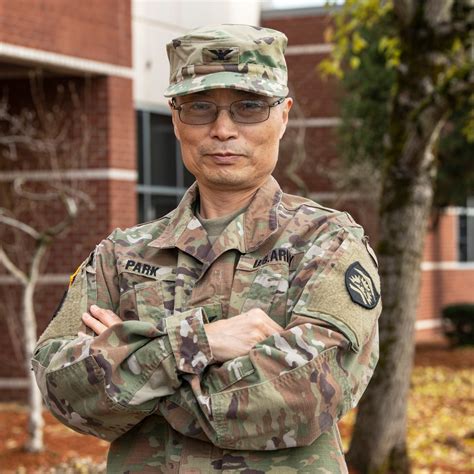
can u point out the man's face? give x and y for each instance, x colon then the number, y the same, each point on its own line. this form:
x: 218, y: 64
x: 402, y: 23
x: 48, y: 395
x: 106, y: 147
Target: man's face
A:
x: 228, y: 155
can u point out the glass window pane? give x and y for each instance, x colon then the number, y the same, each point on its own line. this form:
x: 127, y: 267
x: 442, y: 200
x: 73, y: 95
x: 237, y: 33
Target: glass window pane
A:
x: 141, y: 208
x: 163, y: 151
x: 470, y: 229
x: 161, y: 205
x: 139, y: 119
x: 188, y: 177
x: 462, y: 238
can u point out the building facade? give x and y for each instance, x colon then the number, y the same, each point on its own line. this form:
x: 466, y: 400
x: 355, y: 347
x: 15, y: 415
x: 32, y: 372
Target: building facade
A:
x: 101, y: 67
x: 75, y: 65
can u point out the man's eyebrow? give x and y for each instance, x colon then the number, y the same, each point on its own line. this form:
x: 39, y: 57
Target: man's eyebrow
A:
x: 204, y: 93
x: 190, y: 97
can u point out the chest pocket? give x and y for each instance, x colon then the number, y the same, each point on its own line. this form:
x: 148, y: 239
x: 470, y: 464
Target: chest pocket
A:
x: 264, y: 287
x: 151, y: 300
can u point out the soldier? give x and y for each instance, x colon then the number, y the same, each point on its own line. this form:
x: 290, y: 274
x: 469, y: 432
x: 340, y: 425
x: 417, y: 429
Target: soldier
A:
x: 233, y: 333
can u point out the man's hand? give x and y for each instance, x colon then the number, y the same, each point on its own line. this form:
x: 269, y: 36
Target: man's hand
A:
x: 228, y: 338
x: 100, y: 319
x: 234, y: 337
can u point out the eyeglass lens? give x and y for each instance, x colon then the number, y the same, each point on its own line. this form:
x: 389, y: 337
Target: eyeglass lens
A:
x: 243, y: 111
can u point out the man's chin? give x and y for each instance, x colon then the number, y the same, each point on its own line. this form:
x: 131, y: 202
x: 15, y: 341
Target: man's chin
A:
x: 225, y: 181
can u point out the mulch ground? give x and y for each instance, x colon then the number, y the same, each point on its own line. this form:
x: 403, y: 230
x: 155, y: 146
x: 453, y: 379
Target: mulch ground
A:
x: 441, y: 431
x: 63, y: 446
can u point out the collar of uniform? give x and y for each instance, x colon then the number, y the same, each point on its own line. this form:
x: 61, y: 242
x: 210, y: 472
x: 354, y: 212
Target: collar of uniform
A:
x: 184, y: 229
x: 258, y: 222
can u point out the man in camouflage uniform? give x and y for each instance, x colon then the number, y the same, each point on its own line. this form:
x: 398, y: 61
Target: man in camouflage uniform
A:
x: 232, y: 334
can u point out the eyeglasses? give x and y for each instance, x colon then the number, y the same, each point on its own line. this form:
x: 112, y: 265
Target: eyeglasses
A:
x: 201, y: 112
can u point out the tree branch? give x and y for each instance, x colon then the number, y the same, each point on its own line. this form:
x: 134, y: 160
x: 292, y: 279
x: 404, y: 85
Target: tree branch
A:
x: 36, y: 261
x: 18, y: 184
x: 12, y: 222
x: 12, y: 268
x: 72, y: 210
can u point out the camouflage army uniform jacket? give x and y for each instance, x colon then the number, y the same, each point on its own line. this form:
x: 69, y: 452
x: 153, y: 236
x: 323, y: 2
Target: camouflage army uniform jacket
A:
x: 150, y: 384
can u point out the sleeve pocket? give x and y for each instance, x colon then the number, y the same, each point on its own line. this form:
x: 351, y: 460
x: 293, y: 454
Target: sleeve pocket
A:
x: 224, y: 376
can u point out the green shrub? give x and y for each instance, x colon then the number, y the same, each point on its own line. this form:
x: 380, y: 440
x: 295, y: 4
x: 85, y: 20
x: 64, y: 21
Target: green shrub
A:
x: 458, y: 323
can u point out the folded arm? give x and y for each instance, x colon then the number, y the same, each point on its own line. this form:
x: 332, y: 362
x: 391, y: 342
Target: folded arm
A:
x: 105, y: 385
x: 296, y: 384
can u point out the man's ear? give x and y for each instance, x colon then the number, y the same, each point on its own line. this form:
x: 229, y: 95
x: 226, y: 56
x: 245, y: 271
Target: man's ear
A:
x: 174, y: 119
x: 287, y: 104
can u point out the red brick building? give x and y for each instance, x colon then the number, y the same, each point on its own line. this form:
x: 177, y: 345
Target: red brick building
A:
x: 85, y: 45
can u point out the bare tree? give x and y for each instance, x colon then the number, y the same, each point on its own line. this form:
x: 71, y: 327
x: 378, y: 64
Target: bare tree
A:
x: 49, y: 136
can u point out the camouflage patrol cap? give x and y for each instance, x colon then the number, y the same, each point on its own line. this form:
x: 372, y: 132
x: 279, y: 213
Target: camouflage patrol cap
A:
x: 249, y: 58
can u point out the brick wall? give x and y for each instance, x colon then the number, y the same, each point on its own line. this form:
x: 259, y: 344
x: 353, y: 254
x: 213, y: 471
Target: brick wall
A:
x: 301, y: 30
x: 114, y: 206
x: 441, y: 286
x: 440, y: 243
x: 314, y: 94
x: 90, y: 29
x: 99, y: 30
x: 121, y: 123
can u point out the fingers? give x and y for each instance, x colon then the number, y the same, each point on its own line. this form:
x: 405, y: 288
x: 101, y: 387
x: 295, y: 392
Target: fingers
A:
x: 93, y: 323
x: 100, y: 319
x: 274, y: 326
x: 266, y: 323
x: 106, y: 316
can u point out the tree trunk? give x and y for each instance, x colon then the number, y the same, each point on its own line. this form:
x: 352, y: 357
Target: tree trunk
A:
x: 379, y: 440
x: 35, y: 421
x: 429, y: 83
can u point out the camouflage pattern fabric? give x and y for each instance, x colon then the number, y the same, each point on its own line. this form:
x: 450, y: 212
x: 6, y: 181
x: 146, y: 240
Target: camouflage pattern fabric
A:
x: 150, y: 384
x: 249, y: 58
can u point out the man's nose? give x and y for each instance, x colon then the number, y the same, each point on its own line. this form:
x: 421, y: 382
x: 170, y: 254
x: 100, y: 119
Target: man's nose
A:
x: 224, y: 128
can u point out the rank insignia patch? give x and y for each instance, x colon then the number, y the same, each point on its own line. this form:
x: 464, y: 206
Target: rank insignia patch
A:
x: 223, y: 55
x: 361, y: 287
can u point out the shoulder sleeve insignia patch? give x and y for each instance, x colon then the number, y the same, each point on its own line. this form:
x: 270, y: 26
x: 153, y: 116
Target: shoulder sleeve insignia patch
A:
x: 361, y: 287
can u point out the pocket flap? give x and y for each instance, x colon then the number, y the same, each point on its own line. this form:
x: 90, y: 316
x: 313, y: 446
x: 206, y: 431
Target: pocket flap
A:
x: 229, y: 373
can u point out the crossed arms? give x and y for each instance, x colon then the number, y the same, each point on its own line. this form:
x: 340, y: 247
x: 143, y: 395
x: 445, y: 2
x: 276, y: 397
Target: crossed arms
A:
x: 252, y: 372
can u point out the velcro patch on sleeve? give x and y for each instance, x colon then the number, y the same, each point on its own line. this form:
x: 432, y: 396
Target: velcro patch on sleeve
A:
x: 67, y: 319
x: 348, y: 293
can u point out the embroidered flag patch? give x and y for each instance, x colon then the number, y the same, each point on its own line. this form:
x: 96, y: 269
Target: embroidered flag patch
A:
x: 74, y: 275
x: 361, y: 287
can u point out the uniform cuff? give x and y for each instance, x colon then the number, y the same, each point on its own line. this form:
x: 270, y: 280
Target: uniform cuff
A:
x: 188, y: 341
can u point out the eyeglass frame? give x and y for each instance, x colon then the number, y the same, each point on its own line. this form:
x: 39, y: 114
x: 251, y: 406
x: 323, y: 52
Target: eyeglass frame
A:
x: 177, y: 107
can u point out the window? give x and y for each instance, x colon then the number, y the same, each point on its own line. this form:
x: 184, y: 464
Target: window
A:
x: 162, y: 178
x: 466, y: 232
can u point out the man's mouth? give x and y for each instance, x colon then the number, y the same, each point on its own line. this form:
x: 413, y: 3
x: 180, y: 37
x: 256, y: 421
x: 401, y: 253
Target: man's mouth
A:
x: 224, y: 157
